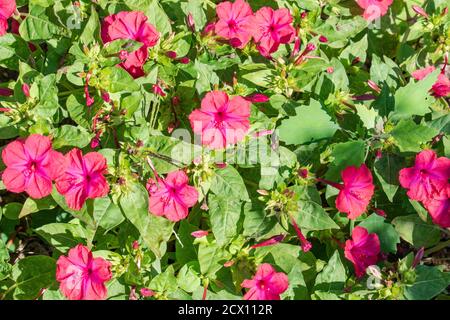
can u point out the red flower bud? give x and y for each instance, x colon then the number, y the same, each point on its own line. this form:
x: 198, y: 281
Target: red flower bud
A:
x: 373, y: 86
x: 26, y: 90
x: 420, y: 11
x: 190, y: 22
x: 323, y: 39
x: 184, y: 60
x: 171, y: 54
x: 257, y: 98
x: 146, y: 292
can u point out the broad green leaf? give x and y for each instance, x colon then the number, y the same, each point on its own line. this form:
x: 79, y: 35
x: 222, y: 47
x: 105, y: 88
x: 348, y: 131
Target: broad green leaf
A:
x: 409, y: 136
x: 62, y: 236
x: 224, y: 214
x: 414, y: 98
x: 389, y: 238
x: 107, y: 214
x: 350, y: 153
x: 37, y: 26
x: 429, y: 283
x: 155, y: 231
x: 386, y: 169
x: 116, y: 79
x: 333, y: 276
x: 35, y: 205
x: 228, y: 181
x: 311, y: 123
x: 71, y: 136
x: 416, y: 232
x: 32, y: 274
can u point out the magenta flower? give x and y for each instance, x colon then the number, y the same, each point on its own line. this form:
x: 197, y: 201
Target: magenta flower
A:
x: 441, y: 88
x: 171, y: 197
x: 267, y: 284
x: 374, y: 9
x: 7, y: 8
x: 270, y: 28
x: 439, y: 207
x: 221, y: 121
x: 355, y: 192
x: 257, y: 98
x: 31, y: 165
x: 234, y: 22
x: 362, y: 250
x: 428, y: 176
x: 82, y: 178
x: 199, y: 233
x: 269, y: 242
x: 131, y: 25
x: 81, y: 276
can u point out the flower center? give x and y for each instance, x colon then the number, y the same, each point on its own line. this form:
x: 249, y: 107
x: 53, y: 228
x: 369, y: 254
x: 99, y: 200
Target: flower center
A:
x: 232, y: 25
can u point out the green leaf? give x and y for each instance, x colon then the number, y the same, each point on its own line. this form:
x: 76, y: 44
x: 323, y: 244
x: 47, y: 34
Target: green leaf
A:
x: 116, y: 79
x: 417, y: 232
x: 165, y: 282
x: 62, y: 236
x: 409, y: 136
x: 12, y: 210
x: 107, y: 214
x: 386, y: 169
x: 70, y: 136
x: 367, y: 116
x: 351, y: 153
x: 210, y: 257
x: 155, y: 231
x: 333, y: 276
x: 429, y: 283
x: 312, y: 216
x: 32, y: 274
x: 386, y: 233
x: 35, y: 205
x: 91, y: 31
x: 46, y: 91
x: 311, y: 123
x: 36, y: 25
x: 228, y: 181
x: 224, y: 213
x: 414, y: 98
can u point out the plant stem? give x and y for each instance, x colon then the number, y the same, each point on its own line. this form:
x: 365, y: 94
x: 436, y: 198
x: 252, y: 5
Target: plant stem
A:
x: 438, y: 247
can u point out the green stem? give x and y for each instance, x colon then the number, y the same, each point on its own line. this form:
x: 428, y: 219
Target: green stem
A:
x: 438, y: 247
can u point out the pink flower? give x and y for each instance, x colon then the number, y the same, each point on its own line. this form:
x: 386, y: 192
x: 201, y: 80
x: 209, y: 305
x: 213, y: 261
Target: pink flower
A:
x: 7, y: 8
x: 31, y: 165
x: 81, y: 276
x: 441, y: 88
x: 158, y: 90
x: 270, y: 28
x: 26, y: 90
x: 171, y: 197
x: 89, y: 100
x: 362, y: 250
x: 267, y: 284
x: 234, y: 22
x: 422, y: 73
x: 131, y: 25
x: 373, y: 9
x: 82, y: 178
x: 439, y: 207
x: 146, y: 292
x: 271, y: 241
x: 355, y: 192
x: 257, y: 98
x: 199, y: 234
x: 427, y: 177
x: 221, y: 121
x: 6, y: 92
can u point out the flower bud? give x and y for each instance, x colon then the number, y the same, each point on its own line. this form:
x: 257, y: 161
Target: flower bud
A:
x: 373, y: 86
x: 420, y: 11
x: 26, y: 90
x: 184, y: 60
x: 171, y: 54
x: 146, y: 292
x: 323, y: 39
x: 190, y: 22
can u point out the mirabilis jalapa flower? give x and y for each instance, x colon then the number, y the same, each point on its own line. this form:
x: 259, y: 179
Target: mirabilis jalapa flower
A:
x: 270, y: 28
x: 131, y: 25
x: 31, y: 165
x: 234, y: 22
x: 441, y: 88
x: 81, y: 276
x: 362, y: 250
x: 427, y: 177
x: 7, y: 9
x: 439, y: 207
x: 374, y: 9
x: 267, y: 284
x: 355, y: 192
x: 221, y: 121
x: 171, y: 197
x: 82, y: 178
